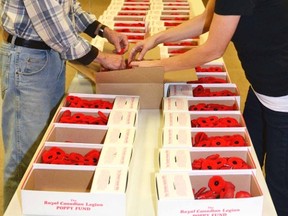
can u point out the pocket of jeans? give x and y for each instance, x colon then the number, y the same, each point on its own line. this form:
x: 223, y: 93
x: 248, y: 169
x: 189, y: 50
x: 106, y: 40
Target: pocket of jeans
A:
x: 33, y: 61
x: 4, y: 69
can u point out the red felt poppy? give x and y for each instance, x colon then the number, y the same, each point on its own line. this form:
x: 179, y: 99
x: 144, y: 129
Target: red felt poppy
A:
x: 216, y: 183
x: 237, y: 140
x: 218, y: 142
x: 199, y: 137
x: 203, y: 143
x: 235, y: 162
x: 209, y: 165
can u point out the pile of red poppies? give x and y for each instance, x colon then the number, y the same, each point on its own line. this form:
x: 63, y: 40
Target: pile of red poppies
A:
x: 178, y: 51
x: 56, y: 155
x: 200, y: 91
x: 218, y: 188
x: 208, y: 79
x: 212, y: 107
x: 209, y: 69
x: 131, y: 14
x: 215, y: 162
x: 129, y: 24
x: 201, y: 139
x: 214, y: 121
x: 77, y: 102
x: 182, y: 43
x: 80, y: 118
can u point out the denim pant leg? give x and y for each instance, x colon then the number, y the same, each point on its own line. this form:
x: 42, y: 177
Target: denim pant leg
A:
x: 276, y: 164
x: 269, y: 134
x: 253, y: 116
x: 33, y: 83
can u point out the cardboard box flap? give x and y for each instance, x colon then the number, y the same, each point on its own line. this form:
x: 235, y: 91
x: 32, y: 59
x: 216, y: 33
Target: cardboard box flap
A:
x: 135, y: 75
x: 86, y: 70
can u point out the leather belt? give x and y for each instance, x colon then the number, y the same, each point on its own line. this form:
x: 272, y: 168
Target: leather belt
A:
x: 27, y: 43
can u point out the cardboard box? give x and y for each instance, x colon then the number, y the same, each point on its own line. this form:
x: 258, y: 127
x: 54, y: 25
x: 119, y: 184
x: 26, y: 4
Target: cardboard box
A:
x: 69, y: 149
x: 115, y: 156
x: 184, y: 137
x: 89, y: 98
x: 124, y: 118
x: 114, y: 117
x: 216, y: 75
x: 181, y: 160
x: 175, y: 104
x: 184, y: 103
x: 120, y: 136
x: 70, y: 133
x: 62, y: 191
x: 175, y: 196
x: 186, y: 90
x: 123, y: 102
x: 82, y: 111
x: 127, y: 103
x: 185, y: 119
x: 148, y: 83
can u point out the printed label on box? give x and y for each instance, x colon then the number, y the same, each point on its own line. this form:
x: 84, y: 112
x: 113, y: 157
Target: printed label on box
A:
x: 120, y: 135
x: 177, y: 119
x: 174, y: 186
x: 177, y: 137
x: 177, y: 160
x: 120, y: 117
x: 123, y: 102
x: 178, y: 104
x: 115, y: 156
x: 180, y: 90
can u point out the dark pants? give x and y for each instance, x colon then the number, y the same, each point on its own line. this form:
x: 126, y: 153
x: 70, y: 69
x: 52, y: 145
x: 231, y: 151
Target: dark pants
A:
x: 269, y: 134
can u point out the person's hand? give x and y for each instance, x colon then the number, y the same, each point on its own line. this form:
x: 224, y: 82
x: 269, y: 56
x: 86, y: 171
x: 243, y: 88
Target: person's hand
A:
x: 141, y: 48
x: 111, y: 61
x: 152, y: 63
x: 120, y: 41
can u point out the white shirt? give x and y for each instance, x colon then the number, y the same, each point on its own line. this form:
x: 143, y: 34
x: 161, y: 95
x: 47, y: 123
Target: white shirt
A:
x: 279, y: 104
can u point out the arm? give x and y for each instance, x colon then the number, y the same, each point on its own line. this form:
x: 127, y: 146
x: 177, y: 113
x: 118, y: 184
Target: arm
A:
x: 221, y: 31
x: 212, y: 49
x: 86, y: 22
x: 189, y: 29
x: 51, y: 22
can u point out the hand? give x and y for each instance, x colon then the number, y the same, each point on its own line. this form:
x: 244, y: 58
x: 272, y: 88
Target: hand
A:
x: 111, y: 61
x: 120, y: 41
x: 141, y: 47
x: 152, y: 63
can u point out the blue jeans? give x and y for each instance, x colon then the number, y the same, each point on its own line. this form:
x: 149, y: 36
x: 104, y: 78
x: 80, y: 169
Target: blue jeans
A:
x: 269, y: 134
x: 32, y: 84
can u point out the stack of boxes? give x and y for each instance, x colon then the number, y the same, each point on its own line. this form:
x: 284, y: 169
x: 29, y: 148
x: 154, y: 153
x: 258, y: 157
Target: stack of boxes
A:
x: 200, y: 142
x: 204, y: 133
x: 81, y: 167
x: 201, y: 120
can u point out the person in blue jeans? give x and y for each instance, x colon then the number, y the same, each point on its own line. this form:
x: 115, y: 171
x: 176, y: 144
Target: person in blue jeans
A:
x: 259, y: 31
x: 39, y: 36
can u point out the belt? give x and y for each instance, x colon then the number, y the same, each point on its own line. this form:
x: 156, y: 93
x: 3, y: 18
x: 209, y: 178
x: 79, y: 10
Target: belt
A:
x: 28, y: 43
